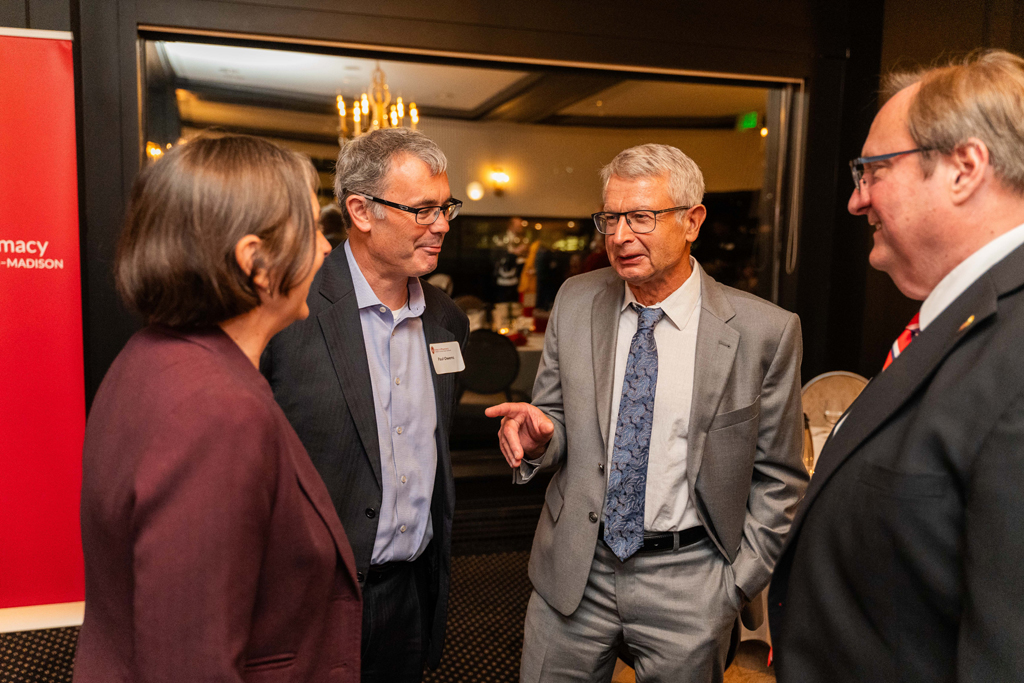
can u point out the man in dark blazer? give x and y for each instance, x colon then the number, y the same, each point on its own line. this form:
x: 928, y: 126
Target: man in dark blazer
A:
x: 368, y: 382
x: 906, y: 559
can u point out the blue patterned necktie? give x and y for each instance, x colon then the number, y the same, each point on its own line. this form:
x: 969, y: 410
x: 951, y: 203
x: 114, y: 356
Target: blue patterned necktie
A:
x: 627, y: 479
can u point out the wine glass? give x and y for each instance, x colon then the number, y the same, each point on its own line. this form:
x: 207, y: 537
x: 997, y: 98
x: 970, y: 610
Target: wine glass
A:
x: 833, y: 410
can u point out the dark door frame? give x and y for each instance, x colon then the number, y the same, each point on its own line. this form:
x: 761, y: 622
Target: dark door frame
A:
x: 831, y: 47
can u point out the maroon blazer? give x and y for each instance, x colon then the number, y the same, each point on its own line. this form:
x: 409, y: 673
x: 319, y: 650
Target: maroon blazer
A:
x: 212, y: 549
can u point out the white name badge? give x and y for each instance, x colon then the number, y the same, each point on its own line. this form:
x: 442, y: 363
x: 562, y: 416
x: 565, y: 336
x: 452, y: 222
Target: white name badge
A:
x: 447, y: 357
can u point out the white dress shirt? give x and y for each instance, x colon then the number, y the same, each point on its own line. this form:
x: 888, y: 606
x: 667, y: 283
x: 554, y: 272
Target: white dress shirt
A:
x: 967, y: 273
x: 667, y: 502
x: 960, y: 278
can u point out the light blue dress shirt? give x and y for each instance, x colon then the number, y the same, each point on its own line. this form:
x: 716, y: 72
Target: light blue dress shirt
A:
x: 403, y: 403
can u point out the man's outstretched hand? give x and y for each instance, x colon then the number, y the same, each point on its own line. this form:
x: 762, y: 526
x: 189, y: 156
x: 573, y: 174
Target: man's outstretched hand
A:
x: 525, y: 431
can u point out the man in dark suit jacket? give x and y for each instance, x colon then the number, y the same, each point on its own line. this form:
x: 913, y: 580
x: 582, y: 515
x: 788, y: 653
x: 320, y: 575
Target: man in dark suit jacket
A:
x: 906, y: 559
x: 368, y: 382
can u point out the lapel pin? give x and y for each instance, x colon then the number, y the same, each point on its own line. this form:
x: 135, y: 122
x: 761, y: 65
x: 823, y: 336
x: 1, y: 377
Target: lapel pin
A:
x: 967, y: 323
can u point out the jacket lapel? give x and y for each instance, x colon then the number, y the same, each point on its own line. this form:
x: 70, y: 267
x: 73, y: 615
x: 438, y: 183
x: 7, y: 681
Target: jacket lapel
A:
x: 889, y: 390
x: 312, y: 485
x: 717, y: 344
x: 344, y: 336
x: 604, y: 322
x: 444, y: 398
x: 444, y: 385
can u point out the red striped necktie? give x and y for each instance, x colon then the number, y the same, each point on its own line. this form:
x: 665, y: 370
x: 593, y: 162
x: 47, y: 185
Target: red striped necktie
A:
x: 912, y: 329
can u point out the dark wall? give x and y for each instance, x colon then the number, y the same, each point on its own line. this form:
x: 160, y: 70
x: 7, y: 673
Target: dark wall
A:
x: 46, y: 15
x: 921, y: 33
x: 835, y: 46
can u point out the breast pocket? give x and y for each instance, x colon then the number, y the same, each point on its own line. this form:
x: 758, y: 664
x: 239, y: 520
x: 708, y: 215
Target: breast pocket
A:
x: 903, y: 485
x: 733, y: 417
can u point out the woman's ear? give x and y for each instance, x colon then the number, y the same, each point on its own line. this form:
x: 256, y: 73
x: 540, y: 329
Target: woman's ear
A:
x: 246, y: 255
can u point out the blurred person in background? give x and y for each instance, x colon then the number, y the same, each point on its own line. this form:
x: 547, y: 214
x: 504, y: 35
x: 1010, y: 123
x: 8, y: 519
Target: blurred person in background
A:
x: 212, y: 549
x: 332, y: 225
x: 363, y: 382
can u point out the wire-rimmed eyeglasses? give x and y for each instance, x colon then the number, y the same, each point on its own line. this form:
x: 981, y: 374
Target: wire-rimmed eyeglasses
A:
x: 641, y: 221
x: 857, y: 165
x: 425, y: 215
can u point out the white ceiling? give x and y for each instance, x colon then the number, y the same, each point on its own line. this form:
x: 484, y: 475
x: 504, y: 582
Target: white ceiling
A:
x: 670, y: 100
x: 429, y: 85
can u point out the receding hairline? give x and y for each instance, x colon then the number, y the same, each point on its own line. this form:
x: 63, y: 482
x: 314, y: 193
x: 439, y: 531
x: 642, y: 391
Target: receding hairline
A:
x: 896, y: 82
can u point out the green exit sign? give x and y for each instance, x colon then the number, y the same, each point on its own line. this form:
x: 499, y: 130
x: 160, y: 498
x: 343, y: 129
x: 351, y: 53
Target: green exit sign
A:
x: 746, y: 121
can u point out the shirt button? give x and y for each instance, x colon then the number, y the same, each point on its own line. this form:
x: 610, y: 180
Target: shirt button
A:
x: 402, y: 528
x: 403, y: 478
x: 398, y: 380
x: 360, y: 576
x: 593, y: 517
x: 371, y: 513
x: 399, y: 430
x: 383, y: 309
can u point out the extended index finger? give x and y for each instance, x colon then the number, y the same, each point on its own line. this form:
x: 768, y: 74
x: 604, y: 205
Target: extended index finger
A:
x: 502, y: 410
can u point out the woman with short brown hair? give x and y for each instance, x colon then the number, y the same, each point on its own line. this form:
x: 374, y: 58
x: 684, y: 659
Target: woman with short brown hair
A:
x: 212, y: 548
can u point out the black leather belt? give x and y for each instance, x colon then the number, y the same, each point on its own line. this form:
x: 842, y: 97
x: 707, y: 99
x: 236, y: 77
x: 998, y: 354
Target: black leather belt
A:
x: 665, y: 540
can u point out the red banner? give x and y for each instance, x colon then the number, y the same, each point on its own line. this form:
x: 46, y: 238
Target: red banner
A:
x: 42, y: 386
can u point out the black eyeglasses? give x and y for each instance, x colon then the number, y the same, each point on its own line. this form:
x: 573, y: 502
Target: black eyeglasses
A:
x: 642, y: 221
x: 857, y: 165
x: 425, y: 215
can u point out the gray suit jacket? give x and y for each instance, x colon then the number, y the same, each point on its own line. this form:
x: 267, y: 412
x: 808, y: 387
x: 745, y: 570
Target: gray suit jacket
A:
x: 318, y: 370
x: 745, y: 436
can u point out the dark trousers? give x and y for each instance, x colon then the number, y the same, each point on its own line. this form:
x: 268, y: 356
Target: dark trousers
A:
x: 395, y: 625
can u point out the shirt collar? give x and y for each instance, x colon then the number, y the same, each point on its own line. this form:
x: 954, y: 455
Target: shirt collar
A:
x: 680, y: 304
x: 365, y: 296
x: 967, y: 273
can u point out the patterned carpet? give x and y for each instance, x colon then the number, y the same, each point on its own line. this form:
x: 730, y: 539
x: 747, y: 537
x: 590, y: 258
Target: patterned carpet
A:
x: 484, y: 644
x: 38, y: 656
x: 485, y: 619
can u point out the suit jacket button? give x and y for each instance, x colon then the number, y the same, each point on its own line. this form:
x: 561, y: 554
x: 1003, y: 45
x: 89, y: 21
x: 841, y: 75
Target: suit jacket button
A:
x: 593, y: 517
x: 360, y: 577
x: 371, y: 513
x: 601, y: 467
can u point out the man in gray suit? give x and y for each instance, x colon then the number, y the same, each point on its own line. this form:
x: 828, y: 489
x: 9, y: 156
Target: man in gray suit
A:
x: 368, y: 382
x: 668, y: 406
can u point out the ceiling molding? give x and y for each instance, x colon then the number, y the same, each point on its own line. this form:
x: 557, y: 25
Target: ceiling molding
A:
x: 676, y: 122
x: 549, y: 94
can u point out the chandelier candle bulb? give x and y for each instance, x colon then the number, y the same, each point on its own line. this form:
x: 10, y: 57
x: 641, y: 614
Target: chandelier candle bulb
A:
x: 342, y: 118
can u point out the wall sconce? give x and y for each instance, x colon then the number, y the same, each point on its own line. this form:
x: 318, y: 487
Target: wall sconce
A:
x: 475, y: 191
x: 154, y: 151
x: 499, y: 179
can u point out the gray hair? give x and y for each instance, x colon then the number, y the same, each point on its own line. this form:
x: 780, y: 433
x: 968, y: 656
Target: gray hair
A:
x: 365, y: 162
x: 685, y: 181
x: 979, y: 96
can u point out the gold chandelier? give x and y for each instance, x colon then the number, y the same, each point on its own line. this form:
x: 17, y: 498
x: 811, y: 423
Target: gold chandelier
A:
x: 374, y: 110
